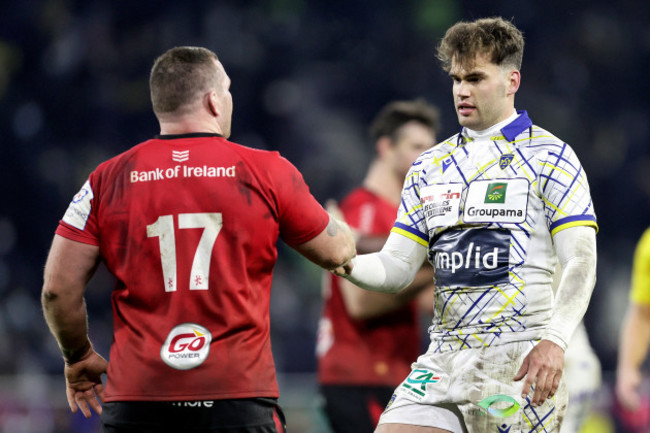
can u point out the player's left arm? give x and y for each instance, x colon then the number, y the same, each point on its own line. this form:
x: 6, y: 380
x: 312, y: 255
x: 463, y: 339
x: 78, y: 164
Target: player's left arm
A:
x: 69, y: 267
x: 576, y: 251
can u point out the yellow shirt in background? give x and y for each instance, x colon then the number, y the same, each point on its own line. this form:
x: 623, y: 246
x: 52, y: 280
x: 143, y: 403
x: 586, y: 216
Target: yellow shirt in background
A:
x: 640, y: 293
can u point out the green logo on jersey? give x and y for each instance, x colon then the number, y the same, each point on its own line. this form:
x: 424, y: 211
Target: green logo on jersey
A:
x: 496, y: 193
x: 494, y: 400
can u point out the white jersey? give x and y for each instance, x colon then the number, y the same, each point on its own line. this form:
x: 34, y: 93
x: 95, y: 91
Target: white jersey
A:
x: 486, y: 207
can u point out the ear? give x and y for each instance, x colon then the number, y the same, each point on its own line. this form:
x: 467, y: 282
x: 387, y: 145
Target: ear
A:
x: 514, y: 79
x: 383, y: 146
x: 211, y: 104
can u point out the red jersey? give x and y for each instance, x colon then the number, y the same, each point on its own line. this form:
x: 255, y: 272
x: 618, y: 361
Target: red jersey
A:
x: 188, y: 224
x: 373, y: 352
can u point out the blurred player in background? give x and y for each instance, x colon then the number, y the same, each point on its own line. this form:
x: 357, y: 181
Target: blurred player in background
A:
x: 494, y: 209
x: 187, y: 222
x: 367, y: 340
x: 635, y: 332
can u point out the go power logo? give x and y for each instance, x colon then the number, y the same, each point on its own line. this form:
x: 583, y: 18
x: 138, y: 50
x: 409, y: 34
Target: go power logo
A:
x: 187, y: 346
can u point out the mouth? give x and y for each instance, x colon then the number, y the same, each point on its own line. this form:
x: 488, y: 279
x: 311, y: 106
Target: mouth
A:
x: 465, y: 109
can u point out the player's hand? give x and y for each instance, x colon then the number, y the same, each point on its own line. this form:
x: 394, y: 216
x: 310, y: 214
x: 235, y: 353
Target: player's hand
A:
x: 345, y: 270
x: 628, y: 381
x: 83, y: 381
x: 543, y: 368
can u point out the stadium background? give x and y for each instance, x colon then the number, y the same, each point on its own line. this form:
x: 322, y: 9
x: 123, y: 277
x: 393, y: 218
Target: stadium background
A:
x: 307, y: 77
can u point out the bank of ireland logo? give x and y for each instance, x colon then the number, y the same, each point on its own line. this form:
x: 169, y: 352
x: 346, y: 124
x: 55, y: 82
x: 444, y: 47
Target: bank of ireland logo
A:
x: 418, y: 379
x: 505, y: 160
x: 187, y: 346
x: 496, y: 193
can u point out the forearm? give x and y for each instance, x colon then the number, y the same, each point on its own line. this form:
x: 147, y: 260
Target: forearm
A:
x: 364, y: 304
x: 68, y: 322
x: 391, y: 269
x: 576, y: 249
x: 634, y: 338
x: 69, y: 266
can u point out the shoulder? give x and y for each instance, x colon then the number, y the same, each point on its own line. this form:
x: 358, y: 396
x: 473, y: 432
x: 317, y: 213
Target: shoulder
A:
x: 120, y: 160
x: 437, y: 153
x: 267, y: 159
x: 540, y: 139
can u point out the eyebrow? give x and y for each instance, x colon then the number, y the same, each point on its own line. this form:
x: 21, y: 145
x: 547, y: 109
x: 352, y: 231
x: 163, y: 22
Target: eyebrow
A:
x: 472, y: 74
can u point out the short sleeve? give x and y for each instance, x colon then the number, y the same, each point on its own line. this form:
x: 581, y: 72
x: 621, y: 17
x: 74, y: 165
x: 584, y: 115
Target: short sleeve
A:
x: 410, y: 217
x: 565, y: 191
x: 640, y: 292
x: 79, y: 223
x: 301, y: 217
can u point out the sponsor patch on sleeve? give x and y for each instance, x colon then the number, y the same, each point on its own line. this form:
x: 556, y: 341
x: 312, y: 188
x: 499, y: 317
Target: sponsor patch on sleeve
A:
x: 496, y: 201
x: 79, y: 208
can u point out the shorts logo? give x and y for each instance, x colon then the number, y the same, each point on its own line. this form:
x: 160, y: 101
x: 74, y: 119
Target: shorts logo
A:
x: 187, y: 346
x: 505, y: 160
x: 391, y: 401
x: 417, y: 381
x: 500, y: 412
x: 496, y: 193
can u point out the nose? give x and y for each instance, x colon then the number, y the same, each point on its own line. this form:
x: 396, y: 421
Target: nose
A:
x: 462, y: 89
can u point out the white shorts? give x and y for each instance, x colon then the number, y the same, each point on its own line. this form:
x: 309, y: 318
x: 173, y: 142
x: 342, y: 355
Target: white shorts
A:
x: 444, y: 390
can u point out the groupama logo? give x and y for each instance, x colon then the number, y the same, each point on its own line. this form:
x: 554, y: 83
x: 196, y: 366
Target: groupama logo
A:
x: 187, y: 346
x: 496, y: 193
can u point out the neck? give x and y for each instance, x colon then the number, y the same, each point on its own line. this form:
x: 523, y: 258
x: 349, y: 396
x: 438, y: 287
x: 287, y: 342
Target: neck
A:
x: 382, y: 181
x: 187, y: 125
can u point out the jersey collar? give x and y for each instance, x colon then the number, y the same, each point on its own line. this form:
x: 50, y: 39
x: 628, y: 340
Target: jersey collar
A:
x: 510, y: 130
x: 517, y: 126
x: 188, y: 135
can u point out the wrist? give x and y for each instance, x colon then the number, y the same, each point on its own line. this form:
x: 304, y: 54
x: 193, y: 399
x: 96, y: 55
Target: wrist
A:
x: 553, y: 338
x: 71, y: 356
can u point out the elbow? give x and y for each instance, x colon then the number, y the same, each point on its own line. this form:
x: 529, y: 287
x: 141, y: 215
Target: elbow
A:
x: 48, y: 295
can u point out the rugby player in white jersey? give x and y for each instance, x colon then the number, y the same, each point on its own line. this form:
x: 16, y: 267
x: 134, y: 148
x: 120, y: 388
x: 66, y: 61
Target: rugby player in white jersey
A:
x: 494, y: 209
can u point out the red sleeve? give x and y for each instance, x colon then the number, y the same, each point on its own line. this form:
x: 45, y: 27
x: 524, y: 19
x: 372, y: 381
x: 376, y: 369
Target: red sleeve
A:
x: 72, y: 233
x: 301, y: 217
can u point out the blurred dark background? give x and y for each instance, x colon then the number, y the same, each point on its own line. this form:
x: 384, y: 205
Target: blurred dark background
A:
x: 307, y: 78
